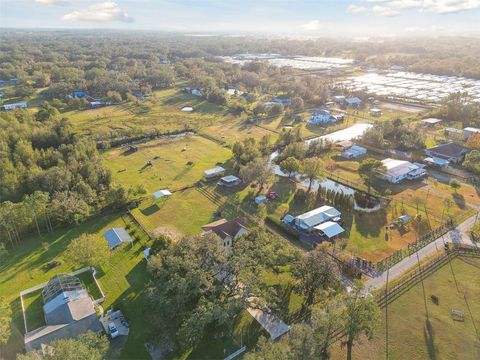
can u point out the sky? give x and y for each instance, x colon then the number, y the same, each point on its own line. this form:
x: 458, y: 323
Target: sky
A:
x: 300, y: 18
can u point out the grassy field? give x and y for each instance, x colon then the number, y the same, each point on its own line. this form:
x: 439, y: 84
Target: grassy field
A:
x: 185, y: 212
x: 170, y: 169
x: 122, y: 278
x: 419, y: 329
x: 234, y: 129
x: 160, y: 112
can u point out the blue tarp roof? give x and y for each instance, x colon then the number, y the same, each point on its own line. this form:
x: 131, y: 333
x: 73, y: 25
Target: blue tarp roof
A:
x: 116, y: 236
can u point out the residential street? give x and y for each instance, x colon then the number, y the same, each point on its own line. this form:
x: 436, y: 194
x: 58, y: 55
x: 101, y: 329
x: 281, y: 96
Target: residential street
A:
x: 457, y: 235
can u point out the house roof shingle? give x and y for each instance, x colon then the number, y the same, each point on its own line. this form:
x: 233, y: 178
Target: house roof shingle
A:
x: 224, y: 228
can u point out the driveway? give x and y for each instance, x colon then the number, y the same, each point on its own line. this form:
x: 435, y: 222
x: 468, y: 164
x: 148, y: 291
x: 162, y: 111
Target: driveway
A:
x: 458, y: 235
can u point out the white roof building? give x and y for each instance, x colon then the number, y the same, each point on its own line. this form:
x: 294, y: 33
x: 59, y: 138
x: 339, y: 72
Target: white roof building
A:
x: 216, y: 171
x: 330, y: 229
x: 309, y: 220
x: 398, y: 170
x: 161, y: 193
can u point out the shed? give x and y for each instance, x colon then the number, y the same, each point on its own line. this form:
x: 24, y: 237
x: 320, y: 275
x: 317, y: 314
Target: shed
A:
x: 375, y: 112
x: 330, y: 229
x: 288, y: 219
x: 187, y: 109
x: 216, y: 171
x: 116, y: 237
x: 354, y: 152
x: 260, y: 199
x: 229, y: 180
x: 431, y: 121
x: 161, y: 193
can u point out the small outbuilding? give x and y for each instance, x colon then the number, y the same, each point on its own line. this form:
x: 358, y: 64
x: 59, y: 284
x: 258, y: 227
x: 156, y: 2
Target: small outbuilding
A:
x: 354, y: 152
x: 375, y: 112
x: 431, y: 121
x: 116, y: 237
x: 214, y: 172
x: 161, y: 193
x: 229, y: 181
x: 187, y: 109
x: 260, y: 199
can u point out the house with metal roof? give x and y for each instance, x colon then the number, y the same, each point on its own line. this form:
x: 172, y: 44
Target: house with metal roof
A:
x: 68, y: 311
x: 398, y: 170
x: 310, y: 219
x: 116, y: 237
x: 321, y: 117
x: 354, y: 152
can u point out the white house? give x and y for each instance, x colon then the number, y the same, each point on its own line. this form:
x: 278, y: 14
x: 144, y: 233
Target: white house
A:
x: 398, y: 170
x: 322, y: 116
x: 309, y: 220
x: 354, y: 152
x: 227, y: 231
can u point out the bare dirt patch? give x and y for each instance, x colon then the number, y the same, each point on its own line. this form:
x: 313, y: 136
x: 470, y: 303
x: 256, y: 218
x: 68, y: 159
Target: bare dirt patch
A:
x: 402, y: 107
x: 161, y: 230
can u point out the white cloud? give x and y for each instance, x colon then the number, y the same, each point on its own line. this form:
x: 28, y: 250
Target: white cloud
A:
x: 355, y: 9
x: 311, y: 25
x: 53, y: 2
x: 395, y: 7
x: 104, y: 12
x: 384, y: 11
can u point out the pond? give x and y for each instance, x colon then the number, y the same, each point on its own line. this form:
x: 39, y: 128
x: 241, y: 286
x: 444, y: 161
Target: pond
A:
x: 349, y: 133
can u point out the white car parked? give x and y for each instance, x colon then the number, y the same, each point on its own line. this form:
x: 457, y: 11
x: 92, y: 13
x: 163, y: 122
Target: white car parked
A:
x: 112, y: 330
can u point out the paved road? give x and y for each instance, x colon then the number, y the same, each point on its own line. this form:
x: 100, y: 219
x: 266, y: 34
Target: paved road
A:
x: 458, y: 235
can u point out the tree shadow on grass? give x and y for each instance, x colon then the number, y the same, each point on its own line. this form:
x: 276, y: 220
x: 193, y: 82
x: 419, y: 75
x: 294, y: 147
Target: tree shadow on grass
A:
x: 430, y: 341
x: 152, y: 209
x: 459, y: 200
x: 371, y: 224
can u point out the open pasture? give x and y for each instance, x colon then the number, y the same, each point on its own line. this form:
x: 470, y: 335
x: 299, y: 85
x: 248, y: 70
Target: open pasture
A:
x: 414, y: 327
x: 170, y: 162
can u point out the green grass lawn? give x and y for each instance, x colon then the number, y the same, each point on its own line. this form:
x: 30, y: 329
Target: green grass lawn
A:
x: 33, y: 304
x: 122, y: 278
x: 419, y: 329
x: 185, y: 212
x: 160, y: 112
x: 170, y: 170
x: 89, y: 283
